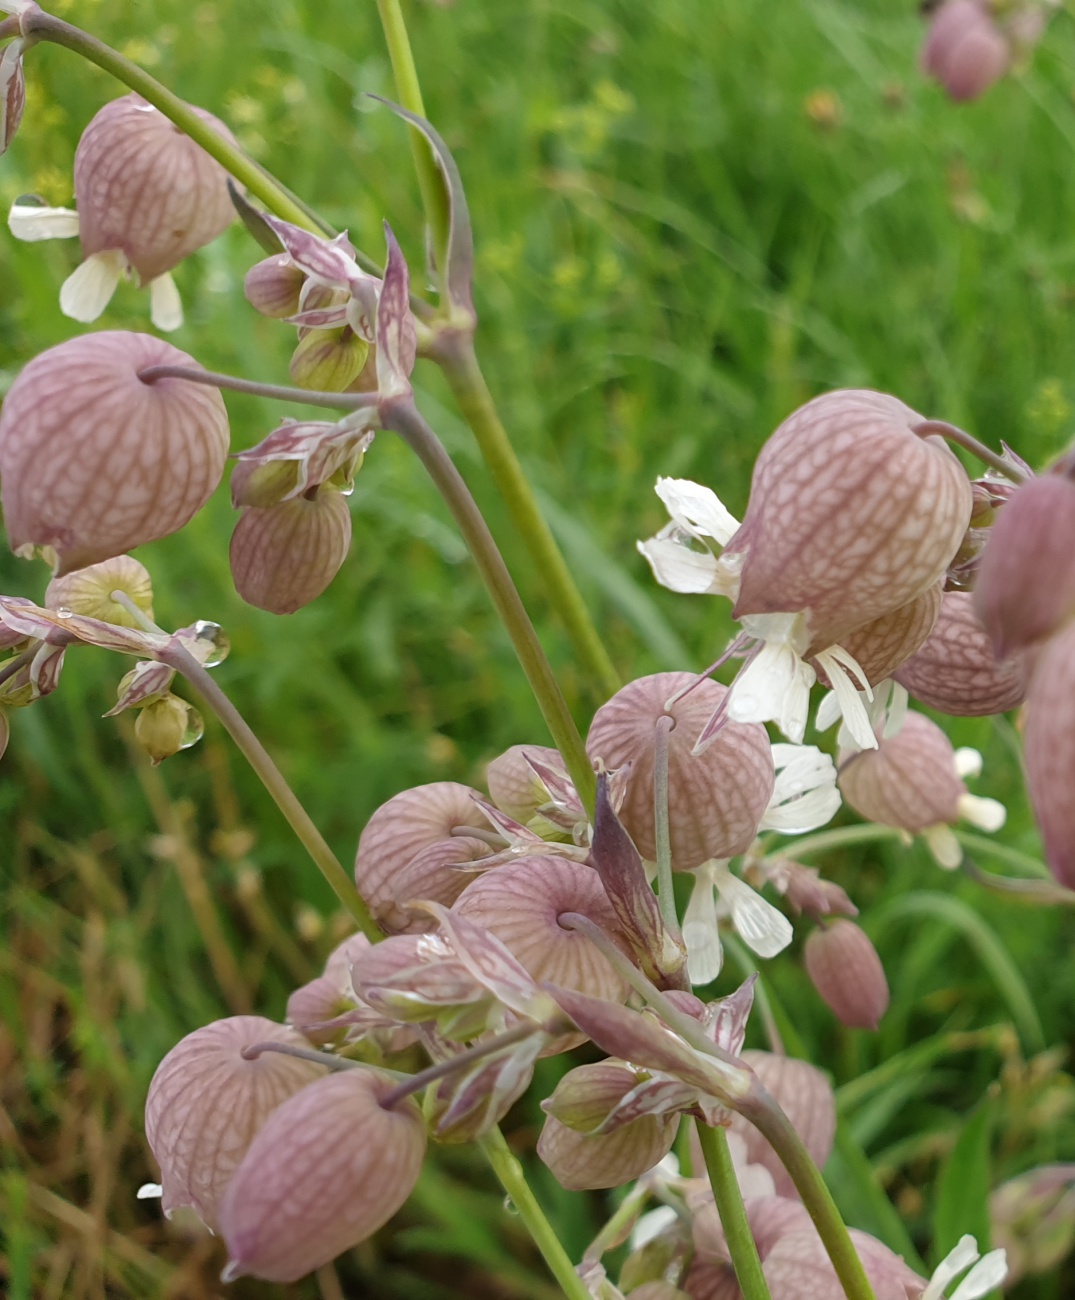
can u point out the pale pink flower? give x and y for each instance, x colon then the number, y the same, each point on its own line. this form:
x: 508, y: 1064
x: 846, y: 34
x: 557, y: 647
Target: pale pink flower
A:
x: 965, y: 50
x: 847, y: 972
x: 284, y: 556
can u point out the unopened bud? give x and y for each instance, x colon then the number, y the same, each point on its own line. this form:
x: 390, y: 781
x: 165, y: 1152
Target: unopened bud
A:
x: 12, y: 91
x: 89, y: 591
x: 262, y: 483
x: 847, y: 972
x: 1026, y: 584
x: 94, y: 461
x: 410, y: 850
x: 956, y: 670
x: 284, y: 556
x: 325, y: 1171
x: 964, y: 49
x: 513, y: 785
x: 166, y: 725
x: 273, y: 286
x: 582, y: 1162
x: 207, y: 1100
x: 328, y: 360
x: 716, y: 799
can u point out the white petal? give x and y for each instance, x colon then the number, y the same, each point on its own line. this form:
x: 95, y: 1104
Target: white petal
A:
x: 856, y: 717
x: 960, y: 1257
x: 986, y: 814
x: 895, y: 710
x: 697, y: 510
x: 762, y: 928
x: 968, y: 762
x: 804, y: 814
x: 678, y: 568
x: 651, y: 1225
x: 805, y: 795
x: 29, y: 222
x: 774, y: 686
x: 828, y: 711
x: 88, y: 290
x: 944, y: 846
x: 149, y: 1192
x: 988, y: 1273
x: 165, y: 305
x: 701, y: 935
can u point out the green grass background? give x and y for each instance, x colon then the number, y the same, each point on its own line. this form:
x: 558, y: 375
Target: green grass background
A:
x: 690, y: 217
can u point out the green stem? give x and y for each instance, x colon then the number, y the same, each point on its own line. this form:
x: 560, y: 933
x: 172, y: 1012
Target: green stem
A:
x: 430, y: 183
x: 457, y: 359
x: 835, y: 839
x: 271, y: 777
x: 43, y: 26
x: 510, y: 1173
x: 665, y: 892
x: 403, y: 417
x: 733, y: 1216
x: 761, y: 1109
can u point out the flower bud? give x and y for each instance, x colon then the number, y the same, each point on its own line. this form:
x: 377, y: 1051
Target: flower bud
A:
x: 807, y: 892
x: 147, y: 190
x: 1026, y: 584
x: 956, y: 670
x: 847, y: 972
x: 715, y: 799
x: 262, y: 483
x: 166, y: 725
x: 964, y: 50
x: 324, y: 1172
x: 513, y: 785
x: 328, y: 360
x: 851, y: 515
x: 12, y: 91
x: 521, y: 903
x: 329, y: 995
x: 273, y: 286
x: 284, y: 556
x: 1049, y: 746
x: 93, y: 461
x: 408, y: 851
x: 89, y: 591
x: 206, y: 1101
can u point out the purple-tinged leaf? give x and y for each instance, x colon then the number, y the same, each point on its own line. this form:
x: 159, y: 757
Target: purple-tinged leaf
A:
x: 724, y: 1021
x: 45, y: 669
x: 143, y: 682
x: 330, y: 262
x: 397, y: 340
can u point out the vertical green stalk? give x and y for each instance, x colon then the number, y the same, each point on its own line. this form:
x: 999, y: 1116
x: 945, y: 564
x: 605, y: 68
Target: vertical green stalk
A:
x: 272, y: 778
x: 434, y: 194
x: 460, y: 365
x: 510, y: 1173
x: 665, y: 892
x: 733, y: 1216
x: 404, y: 419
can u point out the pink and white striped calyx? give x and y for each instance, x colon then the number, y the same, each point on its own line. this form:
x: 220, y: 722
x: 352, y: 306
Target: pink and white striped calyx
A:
x: 852, y: 516
x: 148, y: 197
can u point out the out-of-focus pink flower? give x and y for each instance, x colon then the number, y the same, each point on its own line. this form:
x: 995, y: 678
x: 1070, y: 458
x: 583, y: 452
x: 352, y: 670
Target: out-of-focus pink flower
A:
x: 847, y: 972
x: 964, y: 49
x: 94, y: 461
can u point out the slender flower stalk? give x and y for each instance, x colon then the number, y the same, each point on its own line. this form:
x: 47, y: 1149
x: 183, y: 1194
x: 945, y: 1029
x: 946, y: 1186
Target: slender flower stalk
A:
x: 969, y: 442
x: 416, y: 1082
x: 278, y: 392
x: 404, y: 418
x: 733, y: 1217
x: 510, y: 1173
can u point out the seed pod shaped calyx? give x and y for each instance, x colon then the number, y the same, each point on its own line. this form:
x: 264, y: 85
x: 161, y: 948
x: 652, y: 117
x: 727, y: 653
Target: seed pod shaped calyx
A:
x: 964, y: 49
x: 94, y: 461
x: 284, y: 556
x: 327, y: 1169
x: 847, y: 972
x: 716, y: 799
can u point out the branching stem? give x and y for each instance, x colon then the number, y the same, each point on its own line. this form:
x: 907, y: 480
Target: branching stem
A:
x: 278, y: 392
x: 970, y: 443
x: 416, y: 1082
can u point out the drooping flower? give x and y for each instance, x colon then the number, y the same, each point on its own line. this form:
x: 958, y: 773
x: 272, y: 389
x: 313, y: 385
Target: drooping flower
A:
x: 846, y: 971
x: 147, y: 196
x: 964, y: 49
x: 94, y: 460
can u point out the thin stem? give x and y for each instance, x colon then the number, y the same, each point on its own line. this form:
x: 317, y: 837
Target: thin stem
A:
x: 510, y: 1173
x: 1043, y: 892
x: 733, y: 1216
x: 835, y: 839
x: 254, y: 1050
x: 278, y: 392
x: 970, y: 443
x: 1029, y: 865
x: 179, y: 658
x: 665, y: 893
x: 404, y: 419
x: 9, y: 27
x: 460, y: 365
x: 430, y: 182
x: 442, y: 1069
x: 43, y: 26
x: 761, y: 1109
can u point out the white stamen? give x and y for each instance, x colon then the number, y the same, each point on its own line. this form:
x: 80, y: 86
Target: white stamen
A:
x: 88, y: 290
x: 762, y: 928
x: 165, y: 305
x: 29, y: 222
x: 986, y: 814
x: 968, y: 762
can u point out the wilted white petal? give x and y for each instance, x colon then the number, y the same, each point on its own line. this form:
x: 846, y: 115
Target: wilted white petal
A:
x: 31, y: 223
x: 88, y: 290
x: 986, y: 814
x: 697, y: 509
x: 987, y: 1274
x: 944, y: 846
x: 960, y: 1257
x: 774, y: 687
x: 763, y: 928
x: 700, y: 933
x: 856, y: 718
x: 805, y: 795
x: 968, y: 762
x: 678, y: 568
x: 165, y: 305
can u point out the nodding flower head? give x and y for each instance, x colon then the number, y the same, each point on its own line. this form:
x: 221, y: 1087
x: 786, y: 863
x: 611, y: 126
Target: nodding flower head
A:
x: 95, y: 461
x: 285, y: 555
x: 847, y: 972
